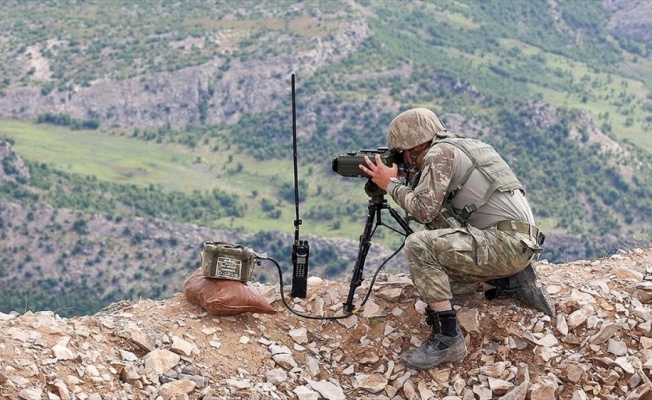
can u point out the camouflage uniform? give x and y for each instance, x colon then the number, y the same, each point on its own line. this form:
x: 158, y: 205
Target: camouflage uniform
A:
x: 477, y: 252
x: 437, y: 258
x: 479, y: 224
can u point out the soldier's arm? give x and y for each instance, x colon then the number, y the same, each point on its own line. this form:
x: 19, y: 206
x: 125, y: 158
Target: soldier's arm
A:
x: 424, y: 202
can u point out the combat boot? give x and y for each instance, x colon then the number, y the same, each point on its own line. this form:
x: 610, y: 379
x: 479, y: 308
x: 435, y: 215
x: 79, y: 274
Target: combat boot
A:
x: 524, y: 287
x: 445, y: 344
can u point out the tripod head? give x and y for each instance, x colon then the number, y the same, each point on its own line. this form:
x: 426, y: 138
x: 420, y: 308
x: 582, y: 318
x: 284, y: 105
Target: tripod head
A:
x: 375, y: 193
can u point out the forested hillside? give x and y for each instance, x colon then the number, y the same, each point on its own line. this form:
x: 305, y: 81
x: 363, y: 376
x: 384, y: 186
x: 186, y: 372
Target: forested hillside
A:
x: 181, y: 111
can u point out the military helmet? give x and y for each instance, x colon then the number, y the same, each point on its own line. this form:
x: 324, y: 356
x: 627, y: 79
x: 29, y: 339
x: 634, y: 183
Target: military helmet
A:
x: 412, y: 128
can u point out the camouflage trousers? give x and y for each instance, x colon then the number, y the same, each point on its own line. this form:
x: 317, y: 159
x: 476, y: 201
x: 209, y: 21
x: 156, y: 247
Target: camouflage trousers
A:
x: 441, y: 258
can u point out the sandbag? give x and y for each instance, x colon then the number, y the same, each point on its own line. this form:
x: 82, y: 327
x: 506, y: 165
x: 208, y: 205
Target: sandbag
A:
x: 224, y: 297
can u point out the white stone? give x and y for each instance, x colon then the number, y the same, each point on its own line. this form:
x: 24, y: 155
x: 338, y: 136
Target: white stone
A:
x: 420, y: 307
x: 285, y: 361
x: 581, y: 297
x: 646, y: 342
x: 373, y: 310
x: 92, y: 370
x: 208, y: 331
x: 562, y: 326
x: 624, y: 363
x: 494, y: 370
x: 313, y: 366
x: 348, y: 322
x: 176, y: 389
x: 327, y: 389
x: 373, y: 383
x: 239, y: 384
x: 299, y: 335
x: 305, y: 393
x: 62, y: 353
x: 31, y: 394
x: 314, y: 281
x: 607, y: 330
x: 424, y: 392
x: 276, y: 376
x: 128, y: 356
x: 277, y: 349
x: 499, y: 386
x: 549, y: 340
x: 578, y: 317
x: 469, y: 318
x: 161, y: 361
x: 181, y: 346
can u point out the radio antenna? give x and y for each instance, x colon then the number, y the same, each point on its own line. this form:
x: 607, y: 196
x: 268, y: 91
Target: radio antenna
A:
x: 300, y: 248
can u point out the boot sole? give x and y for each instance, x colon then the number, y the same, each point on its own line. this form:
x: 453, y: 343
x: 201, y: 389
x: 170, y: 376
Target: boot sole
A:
x: 523, y: 288
x: 548, y: 305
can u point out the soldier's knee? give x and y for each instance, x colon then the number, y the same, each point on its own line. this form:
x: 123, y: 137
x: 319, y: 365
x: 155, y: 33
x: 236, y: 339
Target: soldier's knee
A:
x: 417, y: 244
x: 414, y: 242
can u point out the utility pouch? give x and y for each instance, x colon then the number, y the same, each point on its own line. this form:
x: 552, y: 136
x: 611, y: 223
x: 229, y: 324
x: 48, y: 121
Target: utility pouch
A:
x: 535, y: 244
x: 444, y: 220
x: 532, y: 245
x: 229, y: 261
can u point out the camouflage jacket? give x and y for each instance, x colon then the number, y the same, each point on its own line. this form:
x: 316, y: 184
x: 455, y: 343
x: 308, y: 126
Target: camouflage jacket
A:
x: 444, y: 169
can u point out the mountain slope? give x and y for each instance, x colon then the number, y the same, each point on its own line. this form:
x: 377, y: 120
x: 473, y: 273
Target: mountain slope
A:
x: 175, y: 119
x: 75, y: 263
x: 210, y: 78
x: 598, y: 344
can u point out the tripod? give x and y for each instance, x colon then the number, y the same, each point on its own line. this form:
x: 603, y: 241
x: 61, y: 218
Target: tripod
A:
x: 377, y: 203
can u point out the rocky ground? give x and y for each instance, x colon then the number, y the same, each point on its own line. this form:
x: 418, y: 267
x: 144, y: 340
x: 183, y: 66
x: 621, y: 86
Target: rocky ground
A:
x: 599, y: 345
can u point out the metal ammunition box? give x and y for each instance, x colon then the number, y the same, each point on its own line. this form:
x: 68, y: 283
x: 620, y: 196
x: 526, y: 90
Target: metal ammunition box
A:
x: 228, y: 261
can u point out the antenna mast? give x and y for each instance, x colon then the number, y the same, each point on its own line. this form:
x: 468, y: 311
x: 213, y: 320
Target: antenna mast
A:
x: 300, y: 248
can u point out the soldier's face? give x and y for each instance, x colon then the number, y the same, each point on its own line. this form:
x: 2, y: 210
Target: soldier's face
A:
x: 410, y: 156
x: 406, y: 157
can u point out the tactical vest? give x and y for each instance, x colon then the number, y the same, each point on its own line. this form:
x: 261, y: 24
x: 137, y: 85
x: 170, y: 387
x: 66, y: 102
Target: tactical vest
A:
x: 487, y: 161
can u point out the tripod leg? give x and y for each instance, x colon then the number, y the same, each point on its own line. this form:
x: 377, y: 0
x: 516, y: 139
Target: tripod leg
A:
x: 365, y: 243
x: 400, y: 220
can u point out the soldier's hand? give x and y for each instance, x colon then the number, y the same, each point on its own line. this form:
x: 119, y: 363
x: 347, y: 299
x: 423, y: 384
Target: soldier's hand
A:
x: 380, y: 173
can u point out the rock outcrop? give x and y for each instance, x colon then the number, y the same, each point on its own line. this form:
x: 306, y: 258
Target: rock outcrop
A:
x: 219, y: 91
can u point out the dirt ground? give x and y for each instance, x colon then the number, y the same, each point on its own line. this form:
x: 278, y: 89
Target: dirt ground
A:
x: 234, y: 356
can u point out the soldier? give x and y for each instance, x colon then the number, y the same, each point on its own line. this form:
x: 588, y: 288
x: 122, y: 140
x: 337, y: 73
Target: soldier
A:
x: 479, y: 226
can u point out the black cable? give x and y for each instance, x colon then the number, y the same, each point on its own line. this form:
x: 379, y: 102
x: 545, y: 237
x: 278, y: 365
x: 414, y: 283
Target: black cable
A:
x: 373, y: 280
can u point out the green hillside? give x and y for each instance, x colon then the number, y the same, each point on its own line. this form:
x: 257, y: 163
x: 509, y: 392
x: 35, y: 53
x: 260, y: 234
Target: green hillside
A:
x: 496, y: 64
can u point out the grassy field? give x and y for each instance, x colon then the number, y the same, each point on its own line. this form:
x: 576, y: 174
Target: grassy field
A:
x: 618, y: 100
x: 613, y: 99
x: 116, y: 159
x: 123, y: 159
